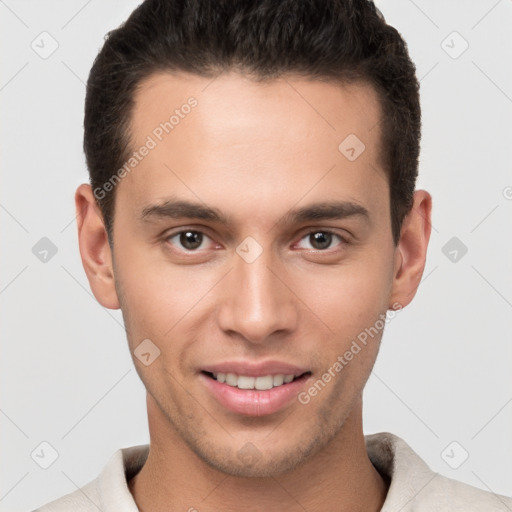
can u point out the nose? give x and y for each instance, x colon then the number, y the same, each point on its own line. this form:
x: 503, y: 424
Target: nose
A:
x: 257, y: 304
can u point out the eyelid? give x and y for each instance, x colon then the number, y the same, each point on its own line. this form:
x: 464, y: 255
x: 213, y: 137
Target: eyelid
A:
x: 181, y: 229
x: 342, y: 233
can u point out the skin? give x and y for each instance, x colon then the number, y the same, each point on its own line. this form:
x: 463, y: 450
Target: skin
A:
x: 254, y: 151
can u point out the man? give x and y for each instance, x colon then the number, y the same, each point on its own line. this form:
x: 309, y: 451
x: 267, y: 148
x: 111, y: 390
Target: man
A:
x: 252, y: 211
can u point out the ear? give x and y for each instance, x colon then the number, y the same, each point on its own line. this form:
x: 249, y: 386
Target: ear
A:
x: 411, y: 251
x: 94, y: 248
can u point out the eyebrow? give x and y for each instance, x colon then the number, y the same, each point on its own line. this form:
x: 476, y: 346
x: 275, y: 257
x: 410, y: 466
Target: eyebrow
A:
x: 177, y: 209
x: 328, y: 210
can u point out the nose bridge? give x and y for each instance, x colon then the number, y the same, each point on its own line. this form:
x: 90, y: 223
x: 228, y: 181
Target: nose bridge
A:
x: 256, y: 303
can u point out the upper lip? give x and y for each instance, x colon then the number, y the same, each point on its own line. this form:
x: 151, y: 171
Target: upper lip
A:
x: 255, y: 369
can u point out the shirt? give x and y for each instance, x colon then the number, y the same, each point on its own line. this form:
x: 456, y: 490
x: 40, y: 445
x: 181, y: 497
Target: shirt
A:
x: 414, y: 486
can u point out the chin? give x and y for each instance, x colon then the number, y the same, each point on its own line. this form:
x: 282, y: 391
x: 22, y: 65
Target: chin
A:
x: 250, y: 462
x: 263, y: 468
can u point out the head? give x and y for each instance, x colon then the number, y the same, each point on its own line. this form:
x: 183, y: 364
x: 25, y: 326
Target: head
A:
x: 252, y: 204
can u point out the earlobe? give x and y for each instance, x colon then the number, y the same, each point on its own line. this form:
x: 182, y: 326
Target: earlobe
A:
x: 95, y: 250
x: 411, y: 250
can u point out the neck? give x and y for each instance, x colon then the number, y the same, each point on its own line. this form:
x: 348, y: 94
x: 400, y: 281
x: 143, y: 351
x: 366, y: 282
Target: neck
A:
x: 340, y: 477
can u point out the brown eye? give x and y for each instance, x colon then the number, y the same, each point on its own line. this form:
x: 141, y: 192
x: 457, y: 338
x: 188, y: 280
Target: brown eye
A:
x: 191, y: 239
x: 320, y: 240
x: 188, y: 240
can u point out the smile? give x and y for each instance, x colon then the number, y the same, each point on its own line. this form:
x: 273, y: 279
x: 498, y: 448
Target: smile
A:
x: 260, y: 383
x: 251, y: 395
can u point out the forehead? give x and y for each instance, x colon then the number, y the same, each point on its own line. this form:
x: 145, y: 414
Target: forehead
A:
x: 235, y: 104
x: 257, y: 139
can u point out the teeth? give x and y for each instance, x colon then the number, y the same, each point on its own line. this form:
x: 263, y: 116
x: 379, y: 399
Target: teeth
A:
x: 260, y: 383
x: 231, y: 379
x: 246, y: 382
x: 263, y: 383
x: 278, y: 380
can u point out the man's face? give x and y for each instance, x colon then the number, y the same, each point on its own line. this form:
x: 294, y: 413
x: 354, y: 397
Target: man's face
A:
x: 261, y: 290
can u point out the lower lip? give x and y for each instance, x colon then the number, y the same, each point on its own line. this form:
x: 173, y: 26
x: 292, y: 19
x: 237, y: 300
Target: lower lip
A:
x: 253, y: 402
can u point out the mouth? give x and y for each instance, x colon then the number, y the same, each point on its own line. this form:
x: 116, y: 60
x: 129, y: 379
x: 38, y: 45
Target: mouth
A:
x: 260, y: 383
x: 254, y: 395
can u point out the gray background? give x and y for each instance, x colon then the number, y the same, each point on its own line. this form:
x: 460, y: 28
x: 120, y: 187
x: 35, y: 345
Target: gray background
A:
x: 444, y: 372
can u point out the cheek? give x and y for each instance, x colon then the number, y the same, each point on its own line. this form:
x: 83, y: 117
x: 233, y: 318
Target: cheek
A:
x: 164, y: 303
x: 350, y: 297
x: 153, y: 293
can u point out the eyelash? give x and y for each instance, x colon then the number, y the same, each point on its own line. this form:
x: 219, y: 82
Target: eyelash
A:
x: 343, y: 240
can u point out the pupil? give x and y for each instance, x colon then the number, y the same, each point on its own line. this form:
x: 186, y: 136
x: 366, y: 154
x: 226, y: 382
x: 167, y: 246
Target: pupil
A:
x: 320, y: 240
x: 191, y: 239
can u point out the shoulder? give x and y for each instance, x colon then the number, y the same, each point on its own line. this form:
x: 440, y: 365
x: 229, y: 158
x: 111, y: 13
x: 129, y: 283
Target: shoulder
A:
x: 85, y: 499
x: 448, y: 494
x: 415, y: 487
x: 108, y: 492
